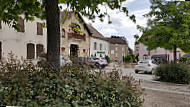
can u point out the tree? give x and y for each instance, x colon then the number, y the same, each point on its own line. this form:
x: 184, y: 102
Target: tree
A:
x: 11, y: 11
x: 136, y: 36
x: 168, y: 26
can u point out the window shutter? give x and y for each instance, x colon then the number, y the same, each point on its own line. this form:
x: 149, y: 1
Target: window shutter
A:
x: 39, y: 29
x: 30, y: 51
x: 39, y: 49
x: 21, y: 23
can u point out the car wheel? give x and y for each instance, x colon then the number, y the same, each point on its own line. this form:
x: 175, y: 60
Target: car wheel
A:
x: 97, y: 65
x: 136, y: 71
x: 103, y: 67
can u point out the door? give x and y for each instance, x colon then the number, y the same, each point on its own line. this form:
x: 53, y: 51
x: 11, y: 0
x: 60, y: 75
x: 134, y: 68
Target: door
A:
x: 73, y: 50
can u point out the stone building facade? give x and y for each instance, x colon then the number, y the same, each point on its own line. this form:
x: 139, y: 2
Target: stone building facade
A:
x: 118, y: 48
x: 75, y: 35
x: 26, y: 43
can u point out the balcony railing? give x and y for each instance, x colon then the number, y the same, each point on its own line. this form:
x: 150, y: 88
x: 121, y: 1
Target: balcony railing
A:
x: 77, y: 36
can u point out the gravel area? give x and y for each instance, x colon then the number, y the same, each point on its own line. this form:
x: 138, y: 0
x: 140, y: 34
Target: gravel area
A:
x: 156, y: 98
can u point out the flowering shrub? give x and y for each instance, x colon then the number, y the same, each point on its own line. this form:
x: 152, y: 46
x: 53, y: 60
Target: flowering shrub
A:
x: 25, y: 84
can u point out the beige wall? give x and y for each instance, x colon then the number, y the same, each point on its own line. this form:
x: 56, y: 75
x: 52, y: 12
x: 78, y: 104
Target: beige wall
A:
x: 17, y: 41
x: 119, y: 52
x: 105, y: 47
x: 65, y: 42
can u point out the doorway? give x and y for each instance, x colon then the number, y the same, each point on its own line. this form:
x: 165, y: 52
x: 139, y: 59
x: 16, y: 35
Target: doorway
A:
x: 74, y: 50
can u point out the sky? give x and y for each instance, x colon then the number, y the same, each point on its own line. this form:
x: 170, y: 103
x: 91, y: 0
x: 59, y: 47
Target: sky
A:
x: 122, y: 25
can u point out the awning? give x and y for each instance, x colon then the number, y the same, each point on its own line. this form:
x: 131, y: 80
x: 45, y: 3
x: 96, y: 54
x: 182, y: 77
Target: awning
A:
x: 187, y: 55
x: 160, y: 56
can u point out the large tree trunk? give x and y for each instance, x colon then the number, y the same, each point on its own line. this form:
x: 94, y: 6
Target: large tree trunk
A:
x: 175, y: 53
x: 53, y: 32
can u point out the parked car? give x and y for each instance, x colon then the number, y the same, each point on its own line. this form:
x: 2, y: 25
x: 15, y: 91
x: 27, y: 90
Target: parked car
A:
x: 148, y: 66
x: 85, y: 61
x: 65, y: 61
x: 100, y: 62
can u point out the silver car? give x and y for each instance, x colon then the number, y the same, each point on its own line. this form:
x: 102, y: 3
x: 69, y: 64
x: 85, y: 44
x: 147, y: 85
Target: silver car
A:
x: 65, y: 61
x: 148, y: 66
x: 100, y: 62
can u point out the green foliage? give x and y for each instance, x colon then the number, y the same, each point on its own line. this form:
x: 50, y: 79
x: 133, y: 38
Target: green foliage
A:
x: 107, y: 58
x: 174, y: 73
x: 136, y: 36
x: 168, y: 25
x: 11, y: 10
x: 24, y: 84
x: 183, y: 59
x: 130, y: 58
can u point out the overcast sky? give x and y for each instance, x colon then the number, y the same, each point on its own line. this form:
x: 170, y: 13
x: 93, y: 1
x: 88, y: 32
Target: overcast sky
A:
x: 121, y: 25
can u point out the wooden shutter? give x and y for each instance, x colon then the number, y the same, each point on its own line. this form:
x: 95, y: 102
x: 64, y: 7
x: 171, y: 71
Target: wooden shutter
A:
x: 39, y: 29
x: 0, y: 25
x: 30, y: 51
x: 39, y: 48
x: 21, y: 23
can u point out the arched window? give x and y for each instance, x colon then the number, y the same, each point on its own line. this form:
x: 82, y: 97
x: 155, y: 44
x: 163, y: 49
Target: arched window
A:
x: 30, y: 51
x: 63, y: 32
x: 39, y: 49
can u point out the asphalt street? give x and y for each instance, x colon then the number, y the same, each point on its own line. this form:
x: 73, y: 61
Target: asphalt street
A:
x: 159, y: 94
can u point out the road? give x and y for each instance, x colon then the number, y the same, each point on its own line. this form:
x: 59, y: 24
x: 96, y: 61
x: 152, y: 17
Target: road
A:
x: 130, y: 71
x: 159, y: 94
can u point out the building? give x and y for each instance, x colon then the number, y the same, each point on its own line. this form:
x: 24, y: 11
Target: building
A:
x: 158, y: 53
x: 26, y: 43
x: 136, y: 47
x: 118, y: 48
x: 99, y: 45
x: 75, y: 35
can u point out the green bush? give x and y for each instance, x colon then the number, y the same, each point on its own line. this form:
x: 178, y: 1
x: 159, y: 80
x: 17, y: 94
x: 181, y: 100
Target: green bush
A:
x: 174, y: 73
x: 183, y: 59
x: 24, y: 84
x: 108, y: 59
x: 130, y: 58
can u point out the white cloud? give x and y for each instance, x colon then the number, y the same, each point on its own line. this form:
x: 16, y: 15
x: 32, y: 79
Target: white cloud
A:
x: 121, y: 25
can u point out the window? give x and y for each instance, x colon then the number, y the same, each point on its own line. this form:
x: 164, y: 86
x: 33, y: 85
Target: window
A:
x: 112, y: 52
x: 21, y: 25
x: 95, y: 47
x: 39, y: 50
x: 30, y: 51
x: 116, y: 54
x: 63, y: 32
x: 105, y: 47
x: 0, y: 25
x: 122, y: 48
x: 116, y: 48
x: 145, y: 47
x: 145, y: 56
x: 100, y: 46
x: 39, y: 28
